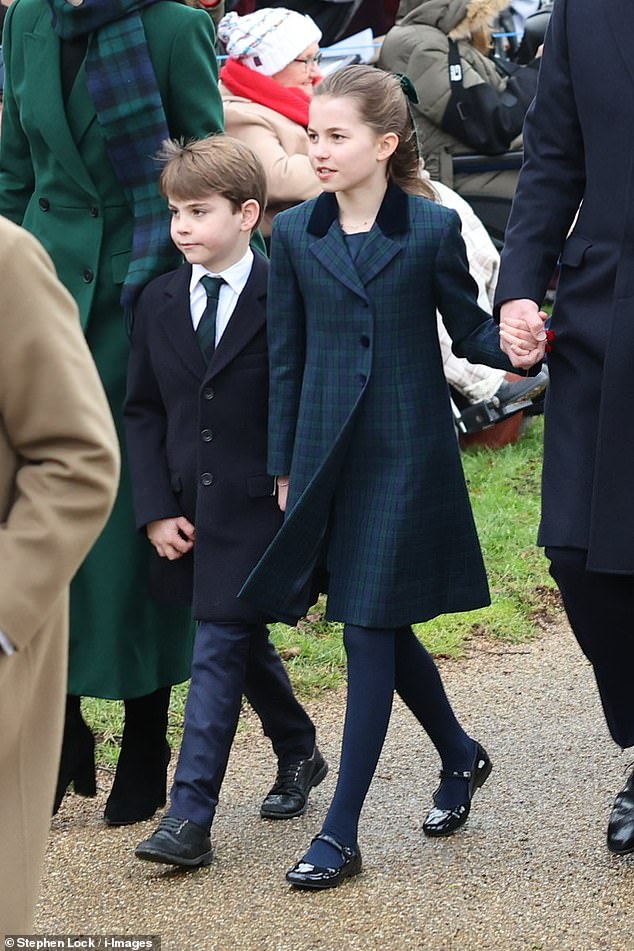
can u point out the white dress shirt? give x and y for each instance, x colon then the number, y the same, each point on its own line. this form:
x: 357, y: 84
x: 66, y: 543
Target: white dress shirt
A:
x: 235, y: 277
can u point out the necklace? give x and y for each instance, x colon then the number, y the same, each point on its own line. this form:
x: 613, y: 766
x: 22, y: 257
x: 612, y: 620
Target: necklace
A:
x: 350, y: 228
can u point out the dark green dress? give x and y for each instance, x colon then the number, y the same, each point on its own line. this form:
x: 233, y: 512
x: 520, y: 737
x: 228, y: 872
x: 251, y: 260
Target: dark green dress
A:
x: 56, y: 180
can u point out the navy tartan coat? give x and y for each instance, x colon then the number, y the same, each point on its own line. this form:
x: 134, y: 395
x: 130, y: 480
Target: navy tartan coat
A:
x: 359, y: 416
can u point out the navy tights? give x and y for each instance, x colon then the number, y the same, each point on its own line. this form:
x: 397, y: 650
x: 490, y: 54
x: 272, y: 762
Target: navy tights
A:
x: 379, y: 662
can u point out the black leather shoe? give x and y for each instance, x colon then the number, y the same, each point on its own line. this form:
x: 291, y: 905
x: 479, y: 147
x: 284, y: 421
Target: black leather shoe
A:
x: 621, y: 825
x: 77, y: 762
x: 446, y: 821
x: 307, y: 875
x: 177, y: 842
x: 289, y: 795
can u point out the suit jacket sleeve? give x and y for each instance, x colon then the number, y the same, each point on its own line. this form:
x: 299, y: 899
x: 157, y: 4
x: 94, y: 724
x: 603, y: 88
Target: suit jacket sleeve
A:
x: 145, y: 420
x: 552, y: 180
x: 286, y: 342
x: 56, y: 424
x: 474, y: 333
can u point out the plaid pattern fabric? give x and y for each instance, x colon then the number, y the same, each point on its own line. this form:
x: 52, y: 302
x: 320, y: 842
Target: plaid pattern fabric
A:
x: 360, y: 416
x: 122, y: 83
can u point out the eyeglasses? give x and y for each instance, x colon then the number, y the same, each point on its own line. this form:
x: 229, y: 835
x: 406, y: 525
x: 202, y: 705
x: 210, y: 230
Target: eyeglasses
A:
x: 310, y: 61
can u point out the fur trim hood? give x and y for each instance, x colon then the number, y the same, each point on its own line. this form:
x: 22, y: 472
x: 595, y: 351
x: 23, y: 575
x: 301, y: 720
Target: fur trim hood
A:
x: 459, y: 19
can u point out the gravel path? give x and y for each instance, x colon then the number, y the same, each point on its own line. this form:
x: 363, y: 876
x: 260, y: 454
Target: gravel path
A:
x: 529, y: 871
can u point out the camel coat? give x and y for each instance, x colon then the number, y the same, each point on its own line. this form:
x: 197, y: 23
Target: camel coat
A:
x: 58, y: 474
x: 282, y: 147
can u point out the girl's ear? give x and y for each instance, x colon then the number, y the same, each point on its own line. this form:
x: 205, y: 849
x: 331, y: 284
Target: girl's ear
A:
x: 250, y: 212
x: 388, y: 145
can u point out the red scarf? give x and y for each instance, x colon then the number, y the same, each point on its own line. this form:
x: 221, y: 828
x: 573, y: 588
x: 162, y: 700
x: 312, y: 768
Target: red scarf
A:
x: 242, y: 81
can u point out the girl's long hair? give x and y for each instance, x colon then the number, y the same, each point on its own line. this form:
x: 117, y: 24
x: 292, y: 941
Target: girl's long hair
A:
x: 382, y: 105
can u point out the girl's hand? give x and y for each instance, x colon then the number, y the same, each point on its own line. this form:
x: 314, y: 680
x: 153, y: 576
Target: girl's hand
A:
x: 522, y: 333
x: 282, y: 492
x: 172, y: 537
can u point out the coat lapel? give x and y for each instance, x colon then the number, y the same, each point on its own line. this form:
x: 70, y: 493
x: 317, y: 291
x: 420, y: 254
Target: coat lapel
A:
x: 248, y: 317
x: 176, y: 321
x: 42, y: 58
x: 81, y: 110
x: 379, y: 247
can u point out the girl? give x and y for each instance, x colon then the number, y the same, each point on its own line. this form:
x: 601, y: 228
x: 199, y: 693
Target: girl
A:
x: 377, y: 511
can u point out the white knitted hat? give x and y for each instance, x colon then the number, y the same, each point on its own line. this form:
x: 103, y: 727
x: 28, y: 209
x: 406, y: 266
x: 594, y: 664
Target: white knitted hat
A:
x: 268, y: 39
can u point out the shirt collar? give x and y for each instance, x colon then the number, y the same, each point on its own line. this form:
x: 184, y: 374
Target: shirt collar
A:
x: 236, y: 276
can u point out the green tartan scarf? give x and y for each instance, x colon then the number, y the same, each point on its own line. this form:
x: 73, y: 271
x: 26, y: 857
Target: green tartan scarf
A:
x: 123, y: 86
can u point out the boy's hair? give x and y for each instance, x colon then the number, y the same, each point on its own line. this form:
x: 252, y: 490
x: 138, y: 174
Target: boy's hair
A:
x: 383, y: 106
x: 219, y: 164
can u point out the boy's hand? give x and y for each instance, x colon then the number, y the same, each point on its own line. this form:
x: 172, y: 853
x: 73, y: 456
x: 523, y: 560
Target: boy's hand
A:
x: 172, y: 537
x: 282, y: 492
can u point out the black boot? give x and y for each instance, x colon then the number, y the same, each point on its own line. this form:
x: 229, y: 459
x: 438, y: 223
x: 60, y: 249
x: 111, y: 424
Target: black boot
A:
x: 77, y: 762
x: 140, y: 782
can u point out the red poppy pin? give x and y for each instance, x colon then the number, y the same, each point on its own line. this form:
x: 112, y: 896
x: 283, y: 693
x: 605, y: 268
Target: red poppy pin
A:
x: 550, y: 340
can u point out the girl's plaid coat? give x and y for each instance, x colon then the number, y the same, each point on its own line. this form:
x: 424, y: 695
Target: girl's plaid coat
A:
x: 360, y: 418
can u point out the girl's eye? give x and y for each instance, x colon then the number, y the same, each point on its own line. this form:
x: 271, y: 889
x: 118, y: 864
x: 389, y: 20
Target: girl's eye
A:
x: 337, y: 136
x: 312, y: 137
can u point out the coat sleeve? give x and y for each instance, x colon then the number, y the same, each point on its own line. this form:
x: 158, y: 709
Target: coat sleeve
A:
x: 287, y: 348
x: 194, y: 107
x: 17, y: 179
x: 55, y: 420
x: 552, y: 180
x: 474, y: 332
x: 145, y: 419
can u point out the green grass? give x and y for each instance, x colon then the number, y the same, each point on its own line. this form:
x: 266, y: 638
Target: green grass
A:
x: 504, y: 489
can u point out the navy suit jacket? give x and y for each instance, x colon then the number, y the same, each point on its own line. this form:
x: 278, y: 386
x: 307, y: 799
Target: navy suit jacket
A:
x: 579, y: 156
x: 197, y: 441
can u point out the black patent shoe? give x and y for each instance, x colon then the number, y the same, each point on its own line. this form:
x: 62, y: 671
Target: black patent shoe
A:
x: 288, y: 797
x: 177, y: 841
x: 446, y: 821
x: 306, y: 875
x: 621, y: 825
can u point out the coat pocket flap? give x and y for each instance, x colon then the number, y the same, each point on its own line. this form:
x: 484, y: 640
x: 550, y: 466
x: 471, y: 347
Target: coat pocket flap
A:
x: 574, y: 251
x: 259, y: 486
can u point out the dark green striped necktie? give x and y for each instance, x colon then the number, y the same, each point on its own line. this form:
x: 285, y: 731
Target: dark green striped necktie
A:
x: 206, y: 329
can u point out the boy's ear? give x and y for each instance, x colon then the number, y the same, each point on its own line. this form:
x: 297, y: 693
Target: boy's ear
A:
x: 250, y: 212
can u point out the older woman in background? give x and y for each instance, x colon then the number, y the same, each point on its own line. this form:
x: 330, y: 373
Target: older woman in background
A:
x: 266, y: 87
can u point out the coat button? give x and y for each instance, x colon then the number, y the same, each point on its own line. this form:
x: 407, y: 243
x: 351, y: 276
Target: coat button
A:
x: 207, y: 435
x: 88, y: 276
x: 44, y: 204
x: 94, y: 211
x: 206, y: 478
x: 208, y: 393
x: 364, y: 340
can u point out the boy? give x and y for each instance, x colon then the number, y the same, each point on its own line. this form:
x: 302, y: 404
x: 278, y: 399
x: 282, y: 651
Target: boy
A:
x: 196, y: 422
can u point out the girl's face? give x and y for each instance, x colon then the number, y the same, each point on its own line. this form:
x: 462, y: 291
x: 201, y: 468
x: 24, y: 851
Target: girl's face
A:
x: 345, y: 152
x: 302, y: 72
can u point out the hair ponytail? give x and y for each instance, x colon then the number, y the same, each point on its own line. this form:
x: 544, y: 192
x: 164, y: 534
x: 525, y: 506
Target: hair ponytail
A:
x: 383, y: 106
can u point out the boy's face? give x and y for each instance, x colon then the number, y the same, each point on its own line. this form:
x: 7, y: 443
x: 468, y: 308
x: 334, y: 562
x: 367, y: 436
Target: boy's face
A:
x: 210, y: 231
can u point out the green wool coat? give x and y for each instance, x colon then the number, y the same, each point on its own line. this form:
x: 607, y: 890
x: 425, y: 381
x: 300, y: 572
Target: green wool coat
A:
x: 56, y: 180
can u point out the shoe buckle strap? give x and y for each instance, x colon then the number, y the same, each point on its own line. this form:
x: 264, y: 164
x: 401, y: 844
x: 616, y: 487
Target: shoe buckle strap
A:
x: 455, y: 773
x: 345, y: 850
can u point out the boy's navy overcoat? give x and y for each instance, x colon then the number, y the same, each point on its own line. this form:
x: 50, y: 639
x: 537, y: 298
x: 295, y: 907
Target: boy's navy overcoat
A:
x: 579, y: 157
x: 360, y: 416
x: 197, y: 442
